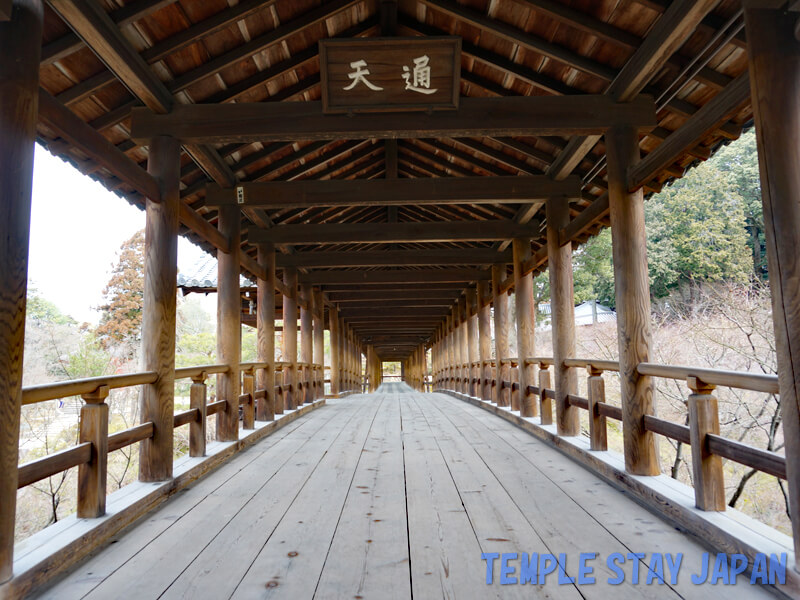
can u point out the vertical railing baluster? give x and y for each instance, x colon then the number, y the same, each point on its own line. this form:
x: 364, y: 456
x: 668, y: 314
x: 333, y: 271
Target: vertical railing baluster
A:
x: 598, y: 432
x: 197, y: 429
x: 249, y: 410
x: 709, y: 480
x: 92, y: 476
x: 545, y: 403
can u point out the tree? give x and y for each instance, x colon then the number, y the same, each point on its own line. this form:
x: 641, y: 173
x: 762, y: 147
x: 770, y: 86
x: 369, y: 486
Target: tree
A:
x: 696, y: 233
x: 593, y: 270
x: 739, y: 162
x: 122, y: 314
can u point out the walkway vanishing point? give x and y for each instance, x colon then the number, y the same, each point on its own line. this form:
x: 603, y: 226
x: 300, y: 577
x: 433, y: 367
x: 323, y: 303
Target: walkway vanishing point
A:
x: 393, y: 494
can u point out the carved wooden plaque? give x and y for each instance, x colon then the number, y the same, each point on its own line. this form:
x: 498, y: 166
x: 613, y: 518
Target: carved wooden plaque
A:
x: 390, y: 74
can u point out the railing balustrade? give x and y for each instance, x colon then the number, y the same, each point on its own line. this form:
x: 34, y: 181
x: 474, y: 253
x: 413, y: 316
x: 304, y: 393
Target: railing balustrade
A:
x: 94, y: 443
x: 497, y: 381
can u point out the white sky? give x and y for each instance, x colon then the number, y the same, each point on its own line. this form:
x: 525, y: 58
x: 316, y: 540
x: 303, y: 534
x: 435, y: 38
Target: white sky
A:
x: 77, y: 227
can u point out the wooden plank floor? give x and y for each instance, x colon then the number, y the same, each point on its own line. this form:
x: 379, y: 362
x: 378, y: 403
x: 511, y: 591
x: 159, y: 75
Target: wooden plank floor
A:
x: 389, y: 495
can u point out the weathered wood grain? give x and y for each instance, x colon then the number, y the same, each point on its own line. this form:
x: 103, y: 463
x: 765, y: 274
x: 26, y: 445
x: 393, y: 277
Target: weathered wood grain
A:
x: 632, y: 288
x: 159, y: 309
x: 20, y: 37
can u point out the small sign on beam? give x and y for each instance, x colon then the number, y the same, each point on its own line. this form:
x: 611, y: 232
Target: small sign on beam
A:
x: 390, y: 74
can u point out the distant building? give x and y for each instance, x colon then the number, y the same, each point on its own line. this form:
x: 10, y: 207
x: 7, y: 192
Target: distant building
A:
x: 588, y: 313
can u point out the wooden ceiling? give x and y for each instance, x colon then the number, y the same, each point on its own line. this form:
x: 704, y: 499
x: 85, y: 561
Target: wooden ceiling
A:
x: 689, y: 55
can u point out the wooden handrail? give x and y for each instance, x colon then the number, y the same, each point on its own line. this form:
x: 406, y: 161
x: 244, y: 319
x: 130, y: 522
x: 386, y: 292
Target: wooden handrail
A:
x: 756, y: 382
x: 760, y: 460
x: 130, y: 436
x: 76, y: 387
x: 600, y: 365
x: 192, y: 372
x: 44, y: 467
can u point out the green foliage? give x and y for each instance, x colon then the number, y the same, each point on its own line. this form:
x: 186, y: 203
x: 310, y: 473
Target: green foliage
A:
x: 593, y: 270
x: 43, y: 311
x: 89, y: 360
x: 696, y: 232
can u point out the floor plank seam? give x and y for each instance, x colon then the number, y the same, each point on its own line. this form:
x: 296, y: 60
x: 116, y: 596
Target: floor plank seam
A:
x: 453, y: 402
x: 349, y: 488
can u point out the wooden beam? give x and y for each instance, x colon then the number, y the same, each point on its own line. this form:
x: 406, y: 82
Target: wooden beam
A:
x: 667, y: 35
x: 94, y: 26
x: 394, y: 258
x: 375, y: 295
x: 284, y: 121
x: 395, y: 276
x: 389, y: 233
x: 385, y: 192
x: 70, y: 43
x: 68, y: 126
x: 698, y: 126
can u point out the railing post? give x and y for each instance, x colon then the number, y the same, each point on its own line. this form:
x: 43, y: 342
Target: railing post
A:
x: 545, y: 405
x: 598, y: 432
x: 513, y: 377
x: 280, y: 398
x: 709, y: 480
x: 20, y: 49
x: 157, y: 400
x: 526, y: 323
x: 249, y: 410
x: 632, y: 288
x: 774, y: 62
x: 197, y: 429
x: 229, y: 323
x: 92, y: 476
x: 265, y: 331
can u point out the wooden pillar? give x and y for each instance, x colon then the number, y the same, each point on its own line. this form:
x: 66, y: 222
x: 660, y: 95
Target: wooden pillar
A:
x: 289, y: 339
x: 333, y: 320
x: 265, y: 328
x: 526, y: 322
x: 319, y: 344
x: 20, y: 45
x: 484, y: 341
x: 306, y: 340
x: 157, y: 400
x: 562, y: 310
x: 774, y: 55
x: 463, y: 345
x: 632, y: 287
x: 423, y: 365
x: 502, y: 396
x: 473, y: 372
x: 229, y: 324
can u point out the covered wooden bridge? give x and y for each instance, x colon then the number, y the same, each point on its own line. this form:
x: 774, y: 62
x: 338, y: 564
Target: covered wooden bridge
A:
x: 391, y: 171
